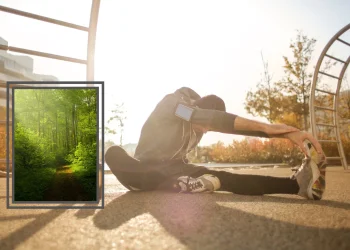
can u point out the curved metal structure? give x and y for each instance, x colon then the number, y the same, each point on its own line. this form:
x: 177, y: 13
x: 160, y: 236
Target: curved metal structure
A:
x: 89, y: 61
x: 90, y: 64
x: 315, y: 88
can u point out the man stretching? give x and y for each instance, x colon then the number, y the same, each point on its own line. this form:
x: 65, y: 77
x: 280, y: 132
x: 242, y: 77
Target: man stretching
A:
x: 177, y: 125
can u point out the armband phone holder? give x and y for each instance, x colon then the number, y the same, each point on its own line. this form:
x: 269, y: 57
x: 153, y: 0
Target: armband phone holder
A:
x: 184, y: 112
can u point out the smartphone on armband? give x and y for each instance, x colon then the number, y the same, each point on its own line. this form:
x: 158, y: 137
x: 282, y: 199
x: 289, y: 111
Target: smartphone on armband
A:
x: 184, y: 112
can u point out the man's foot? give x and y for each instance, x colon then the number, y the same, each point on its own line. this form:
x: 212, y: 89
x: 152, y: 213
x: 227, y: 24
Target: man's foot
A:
x: 204, y: 183
x: 311, y: 176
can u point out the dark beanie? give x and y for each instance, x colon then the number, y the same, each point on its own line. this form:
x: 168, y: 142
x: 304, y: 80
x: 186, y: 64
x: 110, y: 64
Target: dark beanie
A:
x: 211, y: 102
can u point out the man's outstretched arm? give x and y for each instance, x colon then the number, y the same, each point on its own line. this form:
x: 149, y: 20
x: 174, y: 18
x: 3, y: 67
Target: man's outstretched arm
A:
x: 278, y: 131
x: 224, y: 122
x: 245, y: 126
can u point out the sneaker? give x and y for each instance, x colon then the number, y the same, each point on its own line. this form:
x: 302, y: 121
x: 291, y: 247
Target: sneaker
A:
x: 311, y: 176
x: 204, y: 183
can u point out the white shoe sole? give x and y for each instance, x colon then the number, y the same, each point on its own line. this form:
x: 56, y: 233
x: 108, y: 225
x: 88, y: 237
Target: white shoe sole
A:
x: 317, y: 186
x: 315, y: 176
x: 214, y: 180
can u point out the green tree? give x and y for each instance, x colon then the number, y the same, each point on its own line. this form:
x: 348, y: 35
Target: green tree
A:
x: 59, y: 121
x: 54, y: 127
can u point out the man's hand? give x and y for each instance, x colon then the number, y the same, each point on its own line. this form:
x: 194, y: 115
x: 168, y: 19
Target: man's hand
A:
x: 299, y: 137
x: 295, y: 135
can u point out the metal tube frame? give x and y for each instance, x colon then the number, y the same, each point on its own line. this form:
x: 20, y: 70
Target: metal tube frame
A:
x: 42, y: 18
x: 42, y: 54
x: 336, y: 96
x: 89, y: 62
x: 90, y: 65
x: 336, y: 118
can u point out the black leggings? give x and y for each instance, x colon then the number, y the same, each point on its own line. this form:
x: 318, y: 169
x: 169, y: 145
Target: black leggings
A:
x: 235, y: 183
x: 253, y: 184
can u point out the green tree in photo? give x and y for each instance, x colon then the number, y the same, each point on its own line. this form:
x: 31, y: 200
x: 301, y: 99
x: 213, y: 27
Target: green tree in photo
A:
x: 55, y: 135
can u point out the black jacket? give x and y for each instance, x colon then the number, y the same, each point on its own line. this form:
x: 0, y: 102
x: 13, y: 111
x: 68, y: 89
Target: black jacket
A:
x: 165, y: 136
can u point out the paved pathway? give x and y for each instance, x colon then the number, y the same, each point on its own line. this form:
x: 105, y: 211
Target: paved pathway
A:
x: 157, y: 220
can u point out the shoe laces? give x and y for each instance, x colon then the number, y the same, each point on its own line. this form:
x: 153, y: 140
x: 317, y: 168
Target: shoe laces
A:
x: 192, y: 185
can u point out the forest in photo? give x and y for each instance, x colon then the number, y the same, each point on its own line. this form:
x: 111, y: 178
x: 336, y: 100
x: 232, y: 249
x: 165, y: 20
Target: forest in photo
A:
x: 55, y: 144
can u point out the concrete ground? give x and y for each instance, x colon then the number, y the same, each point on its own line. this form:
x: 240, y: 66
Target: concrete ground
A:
x: 158, y: 220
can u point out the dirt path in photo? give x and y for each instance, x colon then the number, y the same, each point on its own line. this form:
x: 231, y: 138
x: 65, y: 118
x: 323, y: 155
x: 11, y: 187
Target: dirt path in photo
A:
x: 65, y: 187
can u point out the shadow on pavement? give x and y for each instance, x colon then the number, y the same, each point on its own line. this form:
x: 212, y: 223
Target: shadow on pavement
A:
x: 199, y: 222
x: 25, y: 232
x: 85, y: 213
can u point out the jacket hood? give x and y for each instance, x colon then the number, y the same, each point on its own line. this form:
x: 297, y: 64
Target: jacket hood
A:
x: 187, y: 94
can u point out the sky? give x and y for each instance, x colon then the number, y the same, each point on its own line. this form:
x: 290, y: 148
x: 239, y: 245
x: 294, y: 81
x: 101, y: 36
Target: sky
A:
x: 147, y: 49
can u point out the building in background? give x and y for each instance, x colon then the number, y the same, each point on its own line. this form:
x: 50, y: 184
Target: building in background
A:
x: 18, y: 67
x: 14, y: 68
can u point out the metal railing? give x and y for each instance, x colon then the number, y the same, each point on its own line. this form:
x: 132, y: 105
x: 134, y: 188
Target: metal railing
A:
x: 315, y: 88
x: 91, y: 41
x: 89, y: 61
